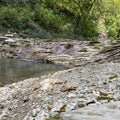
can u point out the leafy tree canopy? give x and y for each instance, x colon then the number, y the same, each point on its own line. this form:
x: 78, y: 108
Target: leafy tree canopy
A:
x: 79, y: 19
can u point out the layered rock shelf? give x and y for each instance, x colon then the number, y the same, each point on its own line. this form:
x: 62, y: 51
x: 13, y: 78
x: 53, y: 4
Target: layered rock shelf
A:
x: 66, y: 52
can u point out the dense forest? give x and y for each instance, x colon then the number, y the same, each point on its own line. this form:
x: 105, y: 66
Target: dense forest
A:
x: 76, y: 19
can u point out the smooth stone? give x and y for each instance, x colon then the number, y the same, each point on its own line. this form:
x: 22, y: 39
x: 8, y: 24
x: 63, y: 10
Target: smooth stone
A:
x: 59, y: 106
x: 71, y: 95
x: 34, y: 113
x: 9, y: 40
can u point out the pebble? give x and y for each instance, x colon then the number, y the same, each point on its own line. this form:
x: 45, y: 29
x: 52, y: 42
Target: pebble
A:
x: 34, y: 113
x: 59, y: 106
x: 71, y: 106
x: 43, y: 115
x: 1, y: 106
x: 71, y: 95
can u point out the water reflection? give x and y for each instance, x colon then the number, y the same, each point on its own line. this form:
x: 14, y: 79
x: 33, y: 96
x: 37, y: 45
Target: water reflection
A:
x: 15, y: 70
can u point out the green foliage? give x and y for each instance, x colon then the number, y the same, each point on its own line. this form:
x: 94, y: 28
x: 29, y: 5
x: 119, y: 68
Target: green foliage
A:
x: 77, y: 19
x: 9, y: 17
x: 112, y: 18
x: 37, y: 33
x: 46, y: 18
x: 84, y: 19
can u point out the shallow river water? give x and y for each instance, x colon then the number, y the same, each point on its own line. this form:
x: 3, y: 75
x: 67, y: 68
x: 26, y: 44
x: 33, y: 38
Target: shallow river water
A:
x: 12, y: 70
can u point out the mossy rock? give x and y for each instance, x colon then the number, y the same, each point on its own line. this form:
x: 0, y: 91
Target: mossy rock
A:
x: 113, y: 76
x: 105, y: 98
x: 56, y: 117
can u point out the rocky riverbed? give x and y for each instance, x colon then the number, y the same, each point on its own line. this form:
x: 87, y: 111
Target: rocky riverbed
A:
x: 90, y: 91
x: 58, y: 51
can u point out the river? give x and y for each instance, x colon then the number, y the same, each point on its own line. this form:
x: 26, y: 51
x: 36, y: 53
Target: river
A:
x: 12, y: 70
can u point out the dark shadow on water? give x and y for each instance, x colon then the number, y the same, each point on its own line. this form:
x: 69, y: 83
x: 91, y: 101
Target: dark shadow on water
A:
x: 12, y: 70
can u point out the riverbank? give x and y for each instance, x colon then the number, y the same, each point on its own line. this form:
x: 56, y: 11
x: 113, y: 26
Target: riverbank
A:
x: 74, y: 94
x: 88, y: 90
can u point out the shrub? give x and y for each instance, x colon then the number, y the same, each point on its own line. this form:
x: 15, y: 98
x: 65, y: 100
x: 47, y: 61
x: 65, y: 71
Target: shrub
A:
x: 9, y: 17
